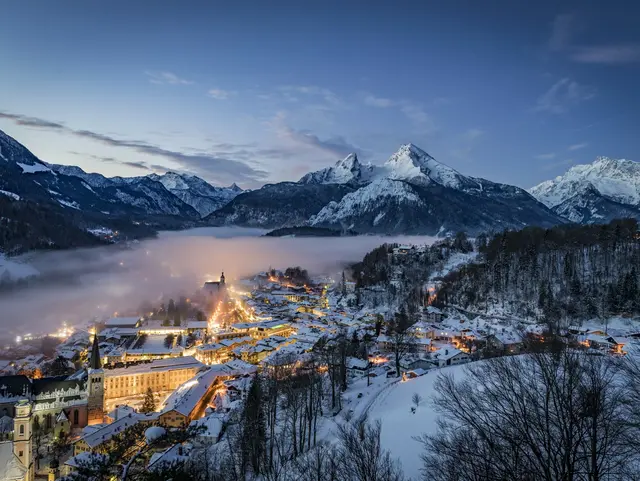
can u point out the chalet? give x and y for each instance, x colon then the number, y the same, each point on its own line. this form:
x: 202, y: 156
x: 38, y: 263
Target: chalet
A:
x: 449, y: 356
x: 357, y: 367
x: 506, y: 341
x: 433, y: 314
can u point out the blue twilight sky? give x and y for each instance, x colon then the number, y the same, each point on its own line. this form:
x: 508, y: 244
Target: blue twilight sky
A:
x: 256, y: 91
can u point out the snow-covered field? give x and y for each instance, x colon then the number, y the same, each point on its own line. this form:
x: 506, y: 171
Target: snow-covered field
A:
x: 400, y: 425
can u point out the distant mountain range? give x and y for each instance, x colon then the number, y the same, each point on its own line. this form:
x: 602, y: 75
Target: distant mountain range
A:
x: 594, y: 193
x: 85, y: 201
x: 411, y: 193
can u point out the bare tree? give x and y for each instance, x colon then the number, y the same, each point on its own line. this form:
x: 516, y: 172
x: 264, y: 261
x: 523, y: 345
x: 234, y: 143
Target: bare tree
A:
x: 559, y: 416
x: 402, y: 336
x: 361, y: 457
x: 416, y: 399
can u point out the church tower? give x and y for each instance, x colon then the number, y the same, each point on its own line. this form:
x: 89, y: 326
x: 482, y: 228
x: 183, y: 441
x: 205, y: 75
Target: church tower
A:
x: 222, y: 280
x: 95, y: 386
x: 22, y: 440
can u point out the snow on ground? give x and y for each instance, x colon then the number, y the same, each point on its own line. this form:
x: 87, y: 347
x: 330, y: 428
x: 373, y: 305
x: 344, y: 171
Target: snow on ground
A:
x: 73, y: 205
x: 30, y: 169
x: 11, y: 270
x: 400, y: 425
x: 454, y: 262
x: 10, y: 194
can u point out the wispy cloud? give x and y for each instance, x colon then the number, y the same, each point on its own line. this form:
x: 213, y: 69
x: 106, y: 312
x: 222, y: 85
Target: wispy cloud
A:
x: 607, y: 54
x: 336, y: 146
x: 380, y: 102
x: 212, y: 166
x: 220, y: 94
x: 549, y: 156
x: 566, y: 27
x: 293, y: 93
x: 563, y: 95
x: 166, y: 78
x: 577, y: 146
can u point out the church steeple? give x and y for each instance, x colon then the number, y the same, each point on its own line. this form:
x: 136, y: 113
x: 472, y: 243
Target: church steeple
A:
x: 222, y: 278
x: 94, y: 360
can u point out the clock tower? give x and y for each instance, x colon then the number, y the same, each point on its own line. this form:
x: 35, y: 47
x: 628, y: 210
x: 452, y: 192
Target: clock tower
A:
x: 95, y: 386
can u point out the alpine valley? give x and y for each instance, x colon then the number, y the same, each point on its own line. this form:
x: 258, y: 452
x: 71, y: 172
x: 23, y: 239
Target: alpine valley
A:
x: 44, y: 205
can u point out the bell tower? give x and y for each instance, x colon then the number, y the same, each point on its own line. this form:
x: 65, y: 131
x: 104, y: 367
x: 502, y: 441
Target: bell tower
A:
x: 22, y: 440
x: 222, y: 280
x: 95, y: 386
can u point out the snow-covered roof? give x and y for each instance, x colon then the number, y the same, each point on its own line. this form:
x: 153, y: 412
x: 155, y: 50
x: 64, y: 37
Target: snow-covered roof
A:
x: 86, y: 459
x: 446, y: 353
x: 185, y: 398
x: 212, y: 425
x: 105, y: 433
x: 122, y: 322
x: 355, y: 363
x: 11, y: 468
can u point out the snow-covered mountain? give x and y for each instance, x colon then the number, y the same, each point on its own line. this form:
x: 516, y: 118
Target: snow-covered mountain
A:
x: 196, y: 192
x: 592, y: 193
x: 346, y: 171
x: 410, y: 193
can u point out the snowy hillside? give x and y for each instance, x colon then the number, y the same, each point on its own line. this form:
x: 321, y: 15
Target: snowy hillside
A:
x: 596, y: 192
x: 347, y: 170
x: 194, y: 191
x: 373, y: 202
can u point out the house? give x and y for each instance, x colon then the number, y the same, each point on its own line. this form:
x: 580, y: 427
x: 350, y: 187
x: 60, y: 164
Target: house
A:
x: 210, y: 429
x: 449, y: 356
x: 357, y: 367
x: 506, y: 341
x: 412, y: 362
x: 433, y: 314
x: 617, y: 344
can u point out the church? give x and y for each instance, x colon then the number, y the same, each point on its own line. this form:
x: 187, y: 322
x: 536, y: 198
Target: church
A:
x: 53, y: 404
x: 214, y: 288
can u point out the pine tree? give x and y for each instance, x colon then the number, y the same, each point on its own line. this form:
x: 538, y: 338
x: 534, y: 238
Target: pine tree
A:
x: 149, y: 403
x: 254, y: 437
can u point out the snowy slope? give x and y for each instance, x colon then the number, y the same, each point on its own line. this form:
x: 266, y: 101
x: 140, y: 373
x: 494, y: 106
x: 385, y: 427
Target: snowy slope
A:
x: 400, y: 425
x: 347, y: 170
x: 595, y: 192
x: 197, y: 193
x: 617, y: 179
x: 371, y: 204
x: 12, y: 270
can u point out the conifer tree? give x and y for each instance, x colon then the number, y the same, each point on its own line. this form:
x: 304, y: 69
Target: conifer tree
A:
x: 149, y: 403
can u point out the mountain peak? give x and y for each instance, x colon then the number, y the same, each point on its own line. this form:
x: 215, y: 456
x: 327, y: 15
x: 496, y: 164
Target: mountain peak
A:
x: 411, y: 163
x: 615, y: 179
x: 347, y: 170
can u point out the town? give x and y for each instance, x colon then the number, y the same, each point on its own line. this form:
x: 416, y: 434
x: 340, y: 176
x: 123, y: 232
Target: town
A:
x: 169, y: 383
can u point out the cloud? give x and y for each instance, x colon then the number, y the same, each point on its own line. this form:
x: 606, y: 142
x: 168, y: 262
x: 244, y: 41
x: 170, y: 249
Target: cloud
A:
x: 562, y: 31
x: 220, y: 94
x: 336, y: 146
x: 549, y: 156
x: 563, y: 95
x: 166, y: 78
x: 327, y: 95
x: 577, y: 146
x: 567, y: 26
x: 607, y: 55
x: 380, y: 102
x: 209, y: 165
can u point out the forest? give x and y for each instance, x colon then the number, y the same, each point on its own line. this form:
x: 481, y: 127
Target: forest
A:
x: 563, y: 273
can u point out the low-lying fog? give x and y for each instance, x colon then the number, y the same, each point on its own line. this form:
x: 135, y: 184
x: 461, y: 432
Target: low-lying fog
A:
x: 87, y: 283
